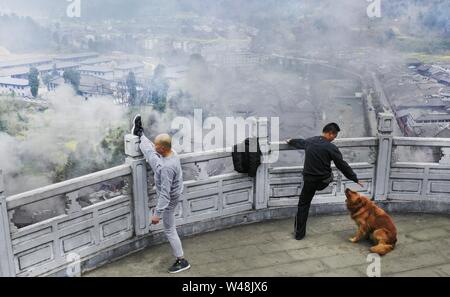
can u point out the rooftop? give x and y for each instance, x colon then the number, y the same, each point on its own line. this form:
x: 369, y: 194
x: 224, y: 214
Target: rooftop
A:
x: 76, y: 56
x: 268, y: 249
x: 59, y: 65
x: 22, y: 62
x: 94, y: 61
x: 434, y: 117
x: 95, y: 69
x: 129, y: 66
x: 47, y: 67
x: 14, y: 71
x: 13, y: 81
x: 423, y: 104
x: 424, y: 68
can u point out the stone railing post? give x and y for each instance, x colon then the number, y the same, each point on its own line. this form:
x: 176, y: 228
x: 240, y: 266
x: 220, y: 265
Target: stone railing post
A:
x: 262, y: 174
x: 385, y: 129
x: 140, y: 193
x: 6, y: 253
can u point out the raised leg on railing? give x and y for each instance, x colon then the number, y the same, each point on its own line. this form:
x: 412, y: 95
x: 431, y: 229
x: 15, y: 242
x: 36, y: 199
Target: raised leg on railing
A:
x: 140, y: 193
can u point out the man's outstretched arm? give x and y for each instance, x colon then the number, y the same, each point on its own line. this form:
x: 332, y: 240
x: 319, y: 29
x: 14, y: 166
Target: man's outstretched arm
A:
x: 298, y: 143
x: 343, y: 166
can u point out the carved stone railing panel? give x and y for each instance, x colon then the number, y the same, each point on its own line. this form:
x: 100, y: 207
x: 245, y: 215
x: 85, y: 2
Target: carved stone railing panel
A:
x: 95, y: 212
x: 38, y: 211
x: 44, y: 246
x: 286, y: 185
x: 220, y: 166
x: 426, y: 180
x: 215, y: 197
x: 68, y: 203
x: 419, y: 181
x: 415, y: 153
x: 218, y: 196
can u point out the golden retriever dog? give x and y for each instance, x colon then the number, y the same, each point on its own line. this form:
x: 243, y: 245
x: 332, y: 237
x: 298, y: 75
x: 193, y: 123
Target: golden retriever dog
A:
x: 372, y: 222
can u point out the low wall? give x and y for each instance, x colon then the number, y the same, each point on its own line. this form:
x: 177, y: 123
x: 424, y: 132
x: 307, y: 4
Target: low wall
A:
x: 137, y: 244
x: 107, y: 213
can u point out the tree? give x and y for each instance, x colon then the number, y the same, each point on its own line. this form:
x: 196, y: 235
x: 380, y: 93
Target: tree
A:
x: 33, y: 81
x: 390, y: 34
x: 46, y: 79
x: 181, y: 102
x: 131, y: 86
x: 113, y: 146
x: 159, y: 87
x: 158, y: 95
x: 92, y: 45
x: 160, y: 72
x: 160, y: 104
x: 72, y: 77
x: 54, y: 71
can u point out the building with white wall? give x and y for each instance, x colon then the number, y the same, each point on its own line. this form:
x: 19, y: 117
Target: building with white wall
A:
x: 60, y: 67
x: 14, y: 86
x: 97, y: 71
x: 122, y: 71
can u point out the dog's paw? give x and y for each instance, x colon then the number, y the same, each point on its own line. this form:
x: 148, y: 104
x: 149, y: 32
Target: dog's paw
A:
x: 353, y: 239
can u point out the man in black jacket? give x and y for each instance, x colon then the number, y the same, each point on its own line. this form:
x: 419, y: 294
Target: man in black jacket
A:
x: 317, y: 173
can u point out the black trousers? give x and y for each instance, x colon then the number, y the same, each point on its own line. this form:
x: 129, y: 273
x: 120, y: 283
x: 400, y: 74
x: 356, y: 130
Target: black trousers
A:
x: 304, y: 203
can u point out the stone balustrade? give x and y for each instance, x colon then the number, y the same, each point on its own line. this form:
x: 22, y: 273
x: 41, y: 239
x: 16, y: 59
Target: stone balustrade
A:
x: 107, y: 213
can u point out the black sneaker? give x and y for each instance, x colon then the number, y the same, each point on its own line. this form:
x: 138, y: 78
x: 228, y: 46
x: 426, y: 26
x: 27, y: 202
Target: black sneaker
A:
x: 137, y: 129
x: 179, y: 265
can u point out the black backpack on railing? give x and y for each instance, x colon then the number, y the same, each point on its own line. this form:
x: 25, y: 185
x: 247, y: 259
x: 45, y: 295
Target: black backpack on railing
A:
x: 245, y: 161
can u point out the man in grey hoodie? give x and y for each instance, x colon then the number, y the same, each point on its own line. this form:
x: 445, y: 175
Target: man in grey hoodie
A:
x: 168, y: 174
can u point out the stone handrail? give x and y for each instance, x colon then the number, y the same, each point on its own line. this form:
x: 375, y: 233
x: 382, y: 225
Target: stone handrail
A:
x: 110, y: 228
x: 205, y: 156
x: 66, y: 186
x: 341, y: 143
x: 421, y: 141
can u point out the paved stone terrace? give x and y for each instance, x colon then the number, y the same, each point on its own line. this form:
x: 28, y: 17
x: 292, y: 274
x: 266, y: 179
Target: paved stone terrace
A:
x: 268, y: 249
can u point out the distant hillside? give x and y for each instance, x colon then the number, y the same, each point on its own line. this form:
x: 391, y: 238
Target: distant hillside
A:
x: 18, y: 34
x: 432, y: 14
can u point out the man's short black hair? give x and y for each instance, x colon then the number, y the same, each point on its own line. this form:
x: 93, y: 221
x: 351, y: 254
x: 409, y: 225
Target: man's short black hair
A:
x: 331, y: 127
